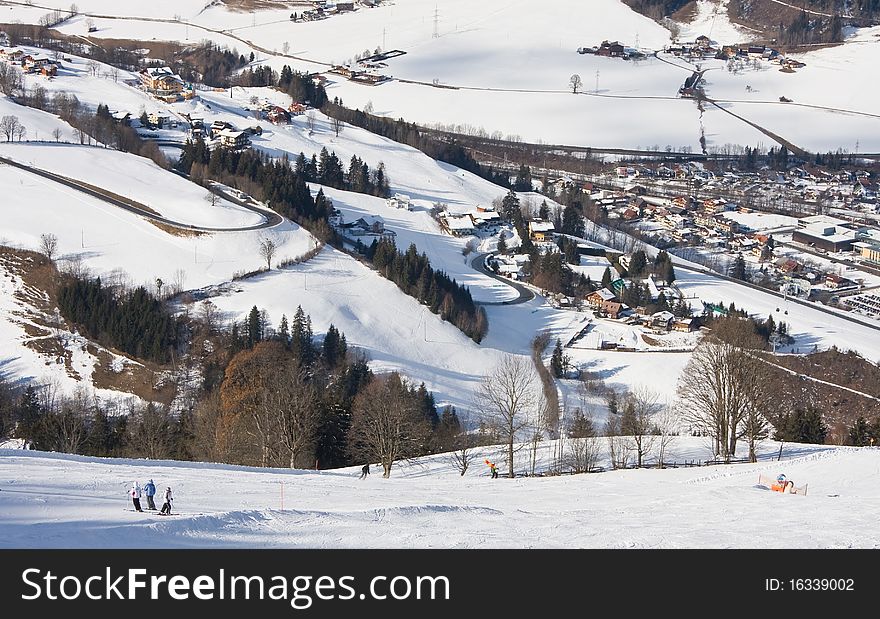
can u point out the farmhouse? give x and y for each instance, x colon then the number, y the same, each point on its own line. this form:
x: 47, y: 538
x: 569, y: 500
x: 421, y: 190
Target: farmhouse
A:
x: 611, y: 48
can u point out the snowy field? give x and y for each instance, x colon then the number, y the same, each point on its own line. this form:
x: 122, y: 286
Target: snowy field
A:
x: 136, y: 178
x: 56, y: 501
x: 511, y: 60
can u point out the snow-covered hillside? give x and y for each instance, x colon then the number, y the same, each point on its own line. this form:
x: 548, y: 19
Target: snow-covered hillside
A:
x: 56, y: 501
x: 512, y: 60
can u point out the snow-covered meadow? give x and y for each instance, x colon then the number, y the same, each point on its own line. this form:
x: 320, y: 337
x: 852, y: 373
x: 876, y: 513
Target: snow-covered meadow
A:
x: 508, y: 61
x: 58, y: 501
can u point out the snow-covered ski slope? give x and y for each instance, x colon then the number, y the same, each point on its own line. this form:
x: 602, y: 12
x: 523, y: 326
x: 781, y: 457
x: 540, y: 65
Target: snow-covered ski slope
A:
x: 510, y: 61
x: 57, y: 501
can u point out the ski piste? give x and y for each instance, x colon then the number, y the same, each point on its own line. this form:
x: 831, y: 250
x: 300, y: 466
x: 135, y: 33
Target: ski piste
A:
x: 158, y: 513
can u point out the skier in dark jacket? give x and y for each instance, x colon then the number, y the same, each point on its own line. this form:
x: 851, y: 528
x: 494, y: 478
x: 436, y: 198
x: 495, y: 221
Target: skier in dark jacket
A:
x: 166, y: 506
x: 150, y: 491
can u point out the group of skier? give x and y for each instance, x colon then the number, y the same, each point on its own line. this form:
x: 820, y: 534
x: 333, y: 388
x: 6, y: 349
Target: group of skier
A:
x: 149, y: 491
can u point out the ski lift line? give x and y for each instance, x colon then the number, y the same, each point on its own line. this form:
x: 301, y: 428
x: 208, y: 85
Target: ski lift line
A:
x: 818, y: 380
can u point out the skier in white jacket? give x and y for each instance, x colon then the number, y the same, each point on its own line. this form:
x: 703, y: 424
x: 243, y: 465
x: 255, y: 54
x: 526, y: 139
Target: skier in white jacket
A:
x: 135, y: 494
x: 166, y: 507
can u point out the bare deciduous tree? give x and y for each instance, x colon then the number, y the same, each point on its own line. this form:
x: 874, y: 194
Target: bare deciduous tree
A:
x: 723, y: 384
x: 150, y: 429
x: 385, y: 424
x: 575, y: 82
x: 310, y: 121
x: 48, y: 244
x: 667, y: 428
x: 464, y: 454
x: 508, y: 396
x: 267, y: 251
x: 56, y: 133
x: 296, y: 402
x: 212, y: 198
x: 337, y: 125
x: 640, y: 407
x: 20, y: 132
x: 208, y: 313
x: 9, y: 125
x: 10, y: 79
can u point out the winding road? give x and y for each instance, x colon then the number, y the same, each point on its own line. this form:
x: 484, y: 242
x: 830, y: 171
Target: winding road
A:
x: 270, y: 219
x: 525, y: 294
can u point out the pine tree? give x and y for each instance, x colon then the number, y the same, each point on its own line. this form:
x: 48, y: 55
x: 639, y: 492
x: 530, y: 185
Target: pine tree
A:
x: 637, y: 264
x: 284, y: 331
x: 254, y: 327
x: 572, y: 221
x: 859, y: 433
x: 557, y: 360
x: 510, y: 206
x: 606, y: 277
x: 738, y: 270
x: 582, y: 426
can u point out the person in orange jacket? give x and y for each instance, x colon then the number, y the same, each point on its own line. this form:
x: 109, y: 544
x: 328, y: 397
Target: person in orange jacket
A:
x: 492, y: 469
x: 781, y: 484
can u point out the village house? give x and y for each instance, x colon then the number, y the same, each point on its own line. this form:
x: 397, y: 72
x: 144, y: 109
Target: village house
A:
x: 278, y: 115
x: 459, y: 225
x: 369, y: 224
x: 596, y: 298
x: 685, y: 325
x: 234, y: 139
x: 662, y: 321
x: 122, y: 118
x: 836, y: 282
x: 296, y: 109
x: 400, y: 201
x: 613, y: 309
x: 158, y: 120
x: 611, y: 48
x: 161, y: 82
x: 485, y: 219
x: 540, y: 231
x: 11, y: 55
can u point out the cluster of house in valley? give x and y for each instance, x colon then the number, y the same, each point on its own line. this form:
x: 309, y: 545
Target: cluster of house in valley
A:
x: 30, y: 63
x: 704, y: 48
x: 613, y: 49
x: 319, y: 9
